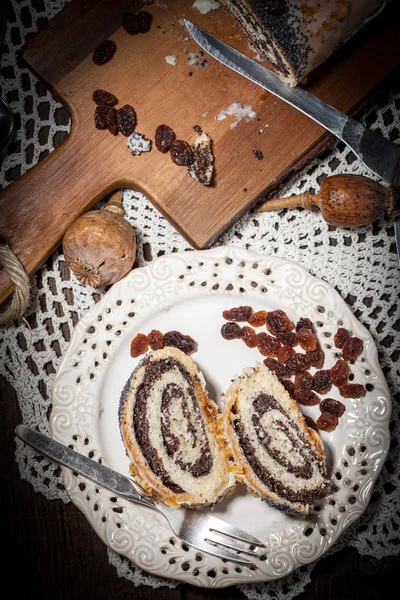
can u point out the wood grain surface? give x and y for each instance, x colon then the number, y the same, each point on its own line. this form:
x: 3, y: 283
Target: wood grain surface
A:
x: 38, y: 207
x: 53, y: 553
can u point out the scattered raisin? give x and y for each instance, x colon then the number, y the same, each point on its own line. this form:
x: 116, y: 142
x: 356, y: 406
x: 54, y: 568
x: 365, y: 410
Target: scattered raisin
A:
x: 339, y: 373
x: 288, y: 385
x: 311, y: 424
x: 139, y: 345
x: 333, y: 406
x: 104, y: 52
x: 267, y: 345
x: 104, y: 118
x: 352, y: 390
x: 288, y: 338
x: 278, y: 368
x: 278, y: 322
x: 341, y: 337
x: 126, y: 120
x: 352, y: 349
x: 258, y: 319
x: 322, y: 382
x: 303, y: 382
x: 307, y: 339
x: 139, y: 23
x: 306, y: 398
x: 299, y: 363
x: 327, y: 421
x: 249, y: 337
x: 100, y: 117
x: 284, y: 353
x: 317, y: 358
x: 164, y: 138
x: 101, y: 97
x: 180, y: 341
x: 258, y: 154
x: 156, y: 339
x: 181, y: 153
x: 304, y: 323
x: 240, y: 313
x: 231, y: 331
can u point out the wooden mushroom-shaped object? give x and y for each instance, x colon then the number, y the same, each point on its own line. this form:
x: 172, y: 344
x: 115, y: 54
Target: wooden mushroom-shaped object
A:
x: 344, y: 200
x: 100, y: 246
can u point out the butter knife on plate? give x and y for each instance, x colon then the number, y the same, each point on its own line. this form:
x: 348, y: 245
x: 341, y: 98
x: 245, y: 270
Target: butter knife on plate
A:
x: 379, y: 155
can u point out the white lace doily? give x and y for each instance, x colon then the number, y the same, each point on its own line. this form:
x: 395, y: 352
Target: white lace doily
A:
x: 361, y: 264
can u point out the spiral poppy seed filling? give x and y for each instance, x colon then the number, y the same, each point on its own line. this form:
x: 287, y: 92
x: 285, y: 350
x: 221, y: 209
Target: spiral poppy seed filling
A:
x: 173, y: 402
x: 282, y: 459
x: 296, y: 460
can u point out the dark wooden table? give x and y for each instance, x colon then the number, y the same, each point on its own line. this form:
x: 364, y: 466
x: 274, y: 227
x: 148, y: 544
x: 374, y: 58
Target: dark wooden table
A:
x: 51, y: 551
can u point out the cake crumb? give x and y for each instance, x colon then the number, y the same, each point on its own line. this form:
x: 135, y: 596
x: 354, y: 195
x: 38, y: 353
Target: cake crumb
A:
x: 240, y: 111
x: 171, y: 59
x: 206, y: 6
x: 138, y: 144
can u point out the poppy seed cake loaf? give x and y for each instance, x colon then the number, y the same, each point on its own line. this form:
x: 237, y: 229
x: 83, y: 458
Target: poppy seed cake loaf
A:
x: 296, y: 36
x: 169, y: 427
x: 283, y: 461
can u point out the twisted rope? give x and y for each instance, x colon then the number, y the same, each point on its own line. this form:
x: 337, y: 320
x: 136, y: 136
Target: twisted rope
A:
x: 20, y: 299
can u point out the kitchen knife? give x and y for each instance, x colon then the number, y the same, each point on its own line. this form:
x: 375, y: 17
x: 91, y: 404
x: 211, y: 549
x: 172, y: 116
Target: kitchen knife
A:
x: 378, y: 154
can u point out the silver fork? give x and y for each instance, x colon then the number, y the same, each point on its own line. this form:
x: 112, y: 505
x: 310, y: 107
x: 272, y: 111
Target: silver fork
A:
x: 194, y: 527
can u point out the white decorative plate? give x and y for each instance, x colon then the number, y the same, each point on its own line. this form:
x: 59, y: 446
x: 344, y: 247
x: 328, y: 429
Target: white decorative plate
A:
x: 188, y: 292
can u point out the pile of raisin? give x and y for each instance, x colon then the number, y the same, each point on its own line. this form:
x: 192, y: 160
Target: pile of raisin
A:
x: 278, y: 322
x: 136, y: 23
x: 351, y: 347
x: 249, y: 336
x: 157, y: 340
x: 258, y: 319
x: 240, y: 313
x: 231, y: 331
x: 106, y: 116
x: 267, y: 345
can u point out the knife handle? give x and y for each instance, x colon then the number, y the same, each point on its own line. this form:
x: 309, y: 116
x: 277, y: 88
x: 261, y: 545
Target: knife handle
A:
x: 90, y: 469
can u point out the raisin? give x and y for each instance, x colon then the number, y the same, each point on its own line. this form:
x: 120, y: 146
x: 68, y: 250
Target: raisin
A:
x: 311, y: 424
x: 104, y: 118
x: 101, y: 97
x: 352, y: 349
x: 134, y: 24
x: 180, y: 341
x: 126, y: 120
x: 139, y: 345
x: 249, y: 337
x: 267, y: 345
x: 352, y: 390
x: 306, y: 398
x: 339, y: 373
x: 278, y: 322
x: 288, y: 338
x: 327, y: 421
x: 258, y: 319
x: 181, y: 153
x: 156, y: 339
x: 298, y: 364
x: 304, y: 323
x: 333, y: 406
x: 231, y: 331
x: 104, y: 52
x: 284, y: 353
x: 322, y: 382
x: 307, y: 339
x: 341, y: 337
x: 317, y: 358
x: 288, y: 385
x: 164, y: 138
x: 100, y: 117
x: 303, y: 382
x: 278, y: 368
x: 240, y: 313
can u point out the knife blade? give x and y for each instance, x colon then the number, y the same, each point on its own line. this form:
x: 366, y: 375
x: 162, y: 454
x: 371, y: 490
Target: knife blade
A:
x: 379, y: 155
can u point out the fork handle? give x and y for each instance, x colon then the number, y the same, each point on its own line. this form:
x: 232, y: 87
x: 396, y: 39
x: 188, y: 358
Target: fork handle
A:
x: 90, y: 469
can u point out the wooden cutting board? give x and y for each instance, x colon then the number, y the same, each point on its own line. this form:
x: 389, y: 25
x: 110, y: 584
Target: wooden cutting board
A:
x: 36, y: 209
